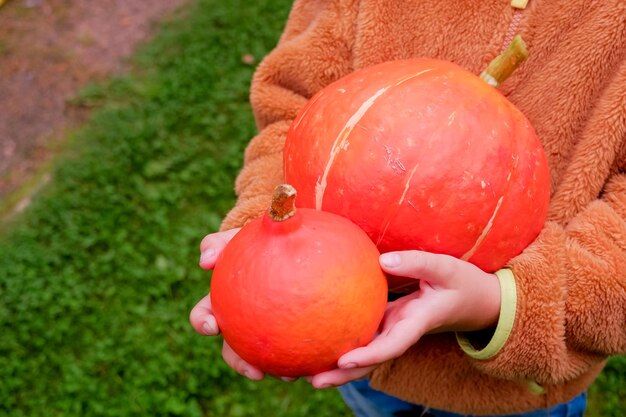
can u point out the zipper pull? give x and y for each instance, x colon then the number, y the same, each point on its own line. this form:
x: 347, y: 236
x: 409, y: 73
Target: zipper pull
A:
x: 519, y: 4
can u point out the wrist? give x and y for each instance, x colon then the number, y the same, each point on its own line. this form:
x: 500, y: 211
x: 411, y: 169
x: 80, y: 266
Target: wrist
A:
x: 506, y: 318
x: 493, y: 302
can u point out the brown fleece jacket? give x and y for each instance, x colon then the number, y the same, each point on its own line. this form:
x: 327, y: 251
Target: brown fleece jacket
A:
x: 571, y: 282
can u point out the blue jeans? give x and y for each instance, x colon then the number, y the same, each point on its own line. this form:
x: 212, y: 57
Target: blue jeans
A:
x: 367, y: 402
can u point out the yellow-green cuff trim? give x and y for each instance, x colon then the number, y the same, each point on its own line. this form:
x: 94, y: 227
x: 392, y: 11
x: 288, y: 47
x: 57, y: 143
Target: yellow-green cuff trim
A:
x: 508, y: 306
x: 535, y: 388
x: 519, y: 4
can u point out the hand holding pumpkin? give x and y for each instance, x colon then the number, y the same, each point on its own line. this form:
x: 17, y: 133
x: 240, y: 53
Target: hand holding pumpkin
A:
x: 201, y: 316
x: 212, y: 245
x: 454, y: 295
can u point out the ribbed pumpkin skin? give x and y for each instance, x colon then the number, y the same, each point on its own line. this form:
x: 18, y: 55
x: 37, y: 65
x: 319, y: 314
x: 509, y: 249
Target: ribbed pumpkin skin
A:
x: 291, y: 297
x: 422, y: 154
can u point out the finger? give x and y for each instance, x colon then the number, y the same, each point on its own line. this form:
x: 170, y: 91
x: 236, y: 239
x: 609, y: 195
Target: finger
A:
x: 434, y: 268
x: 217, y: 238
x: 202, y: 318
x: 394, y: 312
x: 339, y: 376
x: 391, y: 344
x: 212, y: 245
x: 239, y: 365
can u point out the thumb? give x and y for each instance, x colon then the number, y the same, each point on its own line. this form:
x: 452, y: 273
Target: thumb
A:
x: 426, y: 266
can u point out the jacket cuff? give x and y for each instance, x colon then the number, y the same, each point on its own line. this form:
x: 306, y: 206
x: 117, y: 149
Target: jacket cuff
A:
x: 508, y: 306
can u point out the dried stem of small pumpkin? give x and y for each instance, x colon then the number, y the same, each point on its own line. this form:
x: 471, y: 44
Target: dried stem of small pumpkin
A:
x: 504, y: 64
x: 283, y: 203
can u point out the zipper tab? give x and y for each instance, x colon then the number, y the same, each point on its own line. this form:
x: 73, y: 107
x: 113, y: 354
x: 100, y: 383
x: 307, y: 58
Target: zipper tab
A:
x: 518, y: 13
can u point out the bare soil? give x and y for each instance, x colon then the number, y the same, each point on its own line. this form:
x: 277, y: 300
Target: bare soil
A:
x: 49, y: 49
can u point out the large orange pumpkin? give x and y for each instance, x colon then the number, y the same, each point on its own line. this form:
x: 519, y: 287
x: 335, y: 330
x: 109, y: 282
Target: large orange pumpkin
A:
x: 422, y: 154
x: 293, y: 291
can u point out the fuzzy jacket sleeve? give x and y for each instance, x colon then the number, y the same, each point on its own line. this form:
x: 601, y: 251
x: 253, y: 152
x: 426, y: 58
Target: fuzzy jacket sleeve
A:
x: 571, y: 282
x: 313, y: 51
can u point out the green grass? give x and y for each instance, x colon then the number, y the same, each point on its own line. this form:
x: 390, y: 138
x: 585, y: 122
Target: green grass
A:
x: 607, y: 397
x: 98, y: 275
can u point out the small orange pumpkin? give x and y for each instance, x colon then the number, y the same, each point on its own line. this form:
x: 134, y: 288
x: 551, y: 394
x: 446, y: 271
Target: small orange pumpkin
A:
x: 294, y: 290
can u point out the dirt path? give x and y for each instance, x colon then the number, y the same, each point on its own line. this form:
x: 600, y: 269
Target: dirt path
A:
x: 48, y: 50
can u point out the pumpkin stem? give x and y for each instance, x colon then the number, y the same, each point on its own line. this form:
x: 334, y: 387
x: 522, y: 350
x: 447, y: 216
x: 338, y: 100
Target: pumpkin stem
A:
x: 504, y: 64
x: 283, y: 203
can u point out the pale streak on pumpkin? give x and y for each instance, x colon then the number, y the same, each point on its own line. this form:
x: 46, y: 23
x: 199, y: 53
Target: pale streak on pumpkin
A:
x: 402, y: 197
x: 341, y: 142
x: 484, y: 233
x: 489, y: 225
x: 451, y: 118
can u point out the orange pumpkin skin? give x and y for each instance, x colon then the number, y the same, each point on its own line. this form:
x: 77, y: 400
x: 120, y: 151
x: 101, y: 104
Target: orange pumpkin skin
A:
x: 291, y: 297
x: 422, y: 154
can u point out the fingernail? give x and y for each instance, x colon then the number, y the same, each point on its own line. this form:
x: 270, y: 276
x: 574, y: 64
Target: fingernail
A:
x: 349, y: 365
x: 209, y: 327
x: 323, y: 386
x: 207, y: 254
x: 390, y: 259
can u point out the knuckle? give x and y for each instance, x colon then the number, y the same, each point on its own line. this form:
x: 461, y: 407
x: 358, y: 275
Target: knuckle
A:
x: 195, y: 317
x: 207, y: 242
x: 449, y: 265
x: 193, y: 320
x: 417, y: 262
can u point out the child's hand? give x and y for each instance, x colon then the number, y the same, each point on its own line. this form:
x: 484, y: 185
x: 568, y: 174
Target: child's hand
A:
x: 454, y: 295
x: 202, y: 318
x: 212, y: 245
